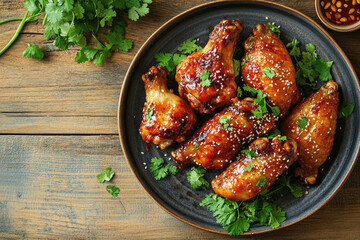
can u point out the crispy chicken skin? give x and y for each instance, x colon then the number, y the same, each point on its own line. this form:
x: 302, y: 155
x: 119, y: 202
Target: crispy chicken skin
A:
x: 239, y: 181
x: 172, y: 117
x: 217, y: 58
x: 264, y: 49
x: 218, y: 141
x: 315, y: 141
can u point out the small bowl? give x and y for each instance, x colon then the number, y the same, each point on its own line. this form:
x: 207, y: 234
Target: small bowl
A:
x: 334, y: 26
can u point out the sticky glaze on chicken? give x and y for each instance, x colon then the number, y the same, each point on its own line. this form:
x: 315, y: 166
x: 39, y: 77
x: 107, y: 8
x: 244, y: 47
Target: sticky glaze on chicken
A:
x: 166, y: 117
x: 217, y: 58
x: 315, y: 141
x: 239, y: 182
x: 218, y: 141
x: 268, y: 67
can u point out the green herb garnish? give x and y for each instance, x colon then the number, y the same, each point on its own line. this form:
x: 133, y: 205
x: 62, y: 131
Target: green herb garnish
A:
x: 345, y: 109
x: 149, y: 112
x: 113, y: 190
x: 160, y: 170
x: 274, y: 28
x: 33, y: 51
x: 244, y: 60
x: 268, y: 72
x: 196, y: 178
x: 249, y: 153
x: 107, y: 175
x: 224, y: 120
x: 205, y: 78
x: 261, y: 182
x: 196, y: 147
x: 302, y: 122
x: 189, y: 46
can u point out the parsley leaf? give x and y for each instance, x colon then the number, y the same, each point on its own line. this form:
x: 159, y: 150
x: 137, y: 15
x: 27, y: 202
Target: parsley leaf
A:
x: 236, y: 67
x: 273, y: 134
x: 261, y: 182
x: 160, y: 171
x: 196, y: 180
x: 283, y: 138
x: 149, y: 112
x: 189, y: 46
x: 261, y: 102
x: 113, y: 190
x: 345, y: 109
x: 323, y: 68
x: 274, y: 28
x: 248, y: 168
x: 136, y: 12
x: 287, y: 181
x: 33, y: 51
x: 224, y: 120
x: 302, y: 122
x: 249, y: 153
x: 107, y: 175
x: 169, y: 60
x: 196, y: 147
x: 238, y: 92
x: 295, y: 50
x: 205, y: 78
x: 268, y: 72
x: 245, y: 59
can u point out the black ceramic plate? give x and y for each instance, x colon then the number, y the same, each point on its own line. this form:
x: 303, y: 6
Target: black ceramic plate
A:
x: 174, y: 193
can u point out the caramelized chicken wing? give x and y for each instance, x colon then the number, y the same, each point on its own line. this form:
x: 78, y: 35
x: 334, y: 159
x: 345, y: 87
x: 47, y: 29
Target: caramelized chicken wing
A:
x: 247, y: 177
x: 218, y: 141
x: 166, y: 117
x: 268, y: 67
x: 216, y: 59
x: 316, y: 139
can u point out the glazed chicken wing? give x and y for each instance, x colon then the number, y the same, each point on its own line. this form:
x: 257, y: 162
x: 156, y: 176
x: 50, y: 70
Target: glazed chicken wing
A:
x: 217, y: 142
x: 268, y: 67
x: 166, y: 117
x: 247, y: 177
x: 215, y: 59
x: 316, y: 139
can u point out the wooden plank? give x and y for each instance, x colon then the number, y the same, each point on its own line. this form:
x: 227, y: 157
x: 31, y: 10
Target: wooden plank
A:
x: 48, y: 190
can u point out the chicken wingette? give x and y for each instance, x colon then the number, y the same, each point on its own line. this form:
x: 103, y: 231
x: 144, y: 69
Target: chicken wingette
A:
x: 247, y: 177
x: 312, y: 124
x: 268, y: 67
x: 166, y: 116
x: 218, y: 141
x: 206, y: 78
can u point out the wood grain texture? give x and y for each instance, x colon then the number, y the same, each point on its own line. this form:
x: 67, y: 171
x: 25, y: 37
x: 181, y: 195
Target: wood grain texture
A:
x: 58, y: 130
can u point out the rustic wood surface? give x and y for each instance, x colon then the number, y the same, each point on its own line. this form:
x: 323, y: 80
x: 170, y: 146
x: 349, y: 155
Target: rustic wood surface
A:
x: 58, y: 129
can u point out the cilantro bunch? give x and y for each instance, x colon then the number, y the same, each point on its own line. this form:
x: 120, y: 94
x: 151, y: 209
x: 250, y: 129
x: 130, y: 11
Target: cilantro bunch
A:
x: 73, y: 22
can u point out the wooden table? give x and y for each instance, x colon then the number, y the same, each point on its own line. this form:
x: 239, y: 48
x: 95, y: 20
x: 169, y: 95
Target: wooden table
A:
x: 58, y: 130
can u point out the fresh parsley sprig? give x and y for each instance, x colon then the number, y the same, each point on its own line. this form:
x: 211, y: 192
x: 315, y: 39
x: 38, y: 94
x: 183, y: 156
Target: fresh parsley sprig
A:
x: 107, y: 175
x: 196, y: 178
x: 161, y: 170
x: 70, y: 23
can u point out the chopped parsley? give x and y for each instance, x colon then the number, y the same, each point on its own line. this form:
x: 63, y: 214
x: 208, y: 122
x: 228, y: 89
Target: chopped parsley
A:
x: 33, y: 51
x: 246, y: 58
x: 149, y: 112
x: 238, y: 92
x: 196, y: 147
x: 248, y: 168
x: 283, y: 138
x: 261, y: 182
x: 345, y: 109
x: 273, y: 134
x: 189, y: 46
x: 106, y: 175
x: 261, y: 102
x: 196, y: 178
x: 224, y: 120
x: 268, y: 72
x: 302, y: 122
x: 274, y: 28
x: 160, y: 170
x: 113, y: 190
x: 205, y: 78
x: 249, y: 153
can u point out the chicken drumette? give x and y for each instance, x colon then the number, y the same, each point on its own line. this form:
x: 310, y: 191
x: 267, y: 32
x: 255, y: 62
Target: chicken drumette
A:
x: 218, y: 141
x: 268, y: 67
x: 206, y: 78
x: 166, y: 117
x: 247, y: 177
x: 312, y: 124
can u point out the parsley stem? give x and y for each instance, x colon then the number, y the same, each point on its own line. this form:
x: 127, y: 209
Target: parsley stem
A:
x: 94, y: 36
x: 11, y: 20
x: 20, y: 27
